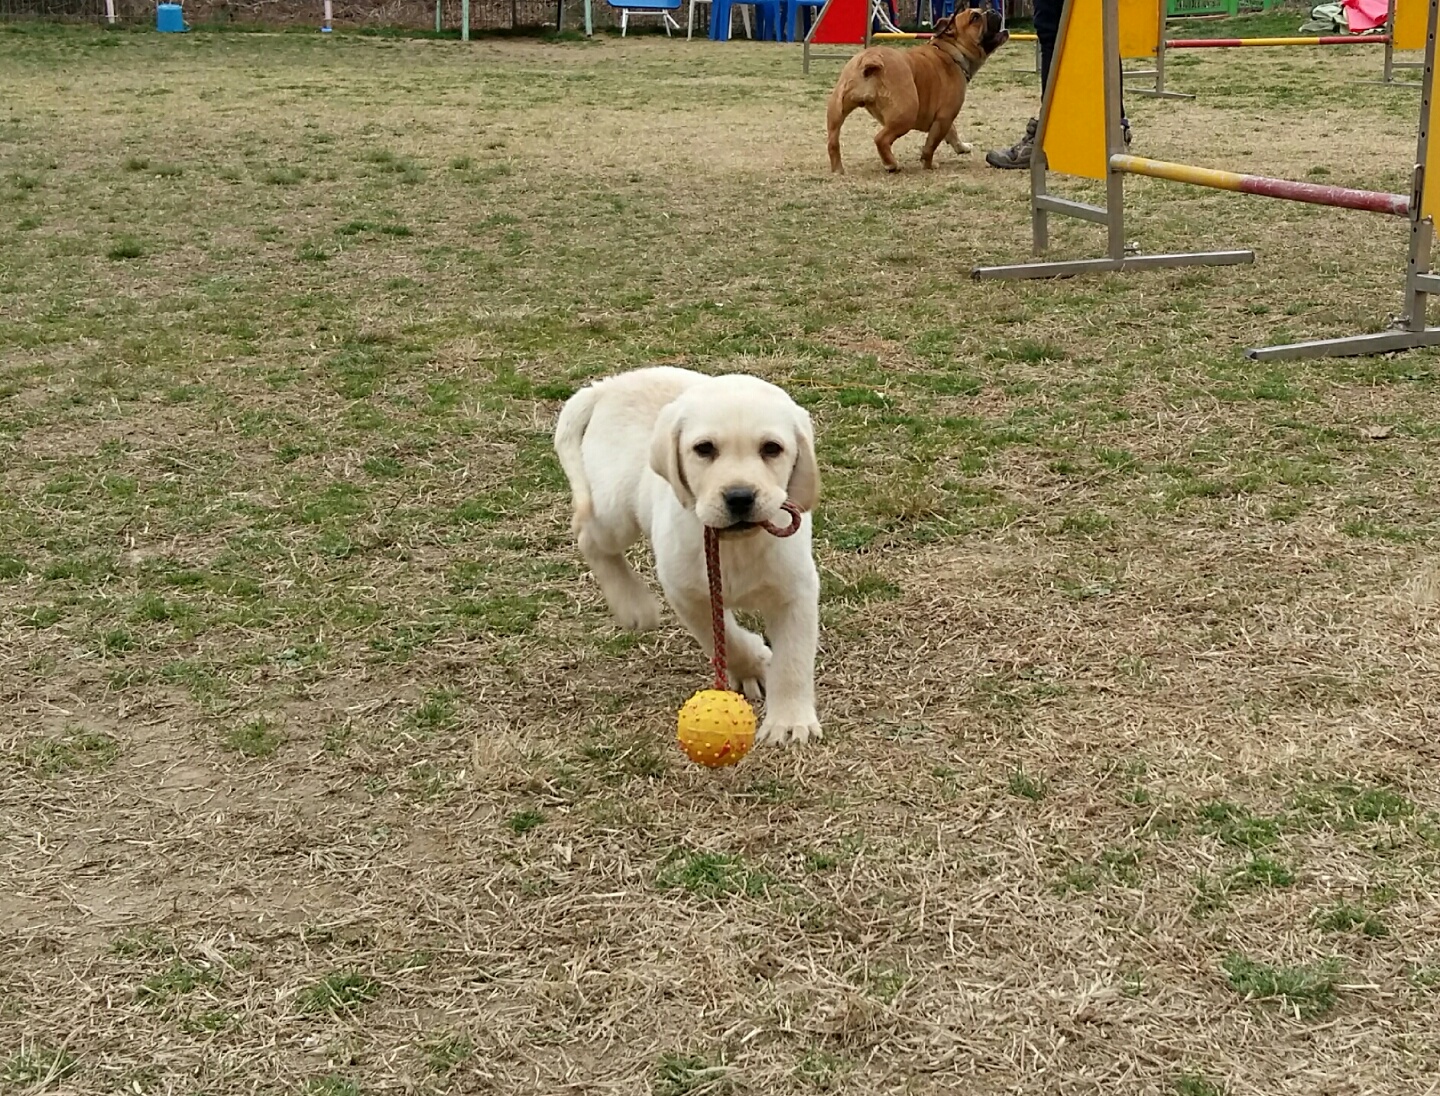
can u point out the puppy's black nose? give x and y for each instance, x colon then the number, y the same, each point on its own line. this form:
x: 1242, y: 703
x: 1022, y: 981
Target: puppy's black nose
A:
x: 739, y: 501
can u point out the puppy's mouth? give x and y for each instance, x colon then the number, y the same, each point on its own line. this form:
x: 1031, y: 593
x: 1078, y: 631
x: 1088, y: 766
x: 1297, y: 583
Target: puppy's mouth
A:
x: 737, y: 527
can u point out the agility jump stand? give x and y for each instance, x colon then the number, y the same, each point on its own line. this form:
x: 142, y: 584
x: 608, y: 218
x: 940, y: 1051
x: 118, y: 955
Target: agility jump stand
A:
x: 1079, y: 134
x: 1404, y: 30
x: 845, y: 23
x: 839, y: 23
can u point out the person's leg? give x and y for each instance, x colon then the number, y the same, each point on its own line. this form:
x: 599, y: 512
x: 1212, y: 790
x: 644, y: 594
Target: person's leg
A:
x: 1047, y: 29
x: 1047, y: 26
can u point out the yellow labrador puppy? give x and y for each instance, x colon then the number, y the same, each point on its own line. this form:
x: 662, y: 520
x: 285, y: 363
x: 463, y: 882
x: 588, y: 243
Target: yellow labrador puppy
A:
x: 661, y: 453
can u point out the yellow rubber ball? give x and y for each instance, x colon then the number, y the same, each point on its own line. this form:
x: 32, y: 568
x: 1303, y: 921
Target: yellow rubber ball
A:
x: 717, y: 728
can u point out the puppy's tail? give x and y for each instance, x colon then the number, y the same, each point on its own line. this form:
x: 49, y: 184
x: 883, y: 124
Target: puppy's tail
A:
x: 569, y: 433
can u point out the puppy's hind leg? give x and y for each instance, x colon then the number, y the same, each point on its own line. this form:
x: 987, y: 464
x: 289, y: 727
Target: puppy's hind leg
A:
x: 632, y: 604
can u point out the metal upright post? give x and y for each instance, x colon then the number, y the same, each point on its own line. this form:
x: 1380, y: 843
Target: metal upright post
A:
x: 1104, y: 124
x: 1410, y: 331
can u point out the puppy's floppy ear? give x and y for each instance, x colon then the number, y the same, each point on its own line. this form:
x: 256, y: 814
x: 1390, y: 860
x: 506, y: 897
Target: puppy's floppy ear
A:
x: 665, y: 454
x: 943, y: 26
x: 804, y: 487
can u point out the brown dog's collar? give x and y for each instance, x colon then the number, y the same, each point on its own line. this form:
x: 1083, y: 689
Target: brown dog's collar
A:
x: 963, y: 63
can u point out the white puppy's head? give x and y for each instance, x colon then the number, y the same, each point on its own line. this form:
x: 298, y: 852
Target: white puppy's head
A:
x: 734, y: 449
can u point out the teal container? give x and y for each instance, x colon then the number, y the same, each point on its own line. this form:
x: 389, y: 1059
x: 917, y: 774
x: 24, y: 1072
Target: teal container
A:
x: 169, y: 19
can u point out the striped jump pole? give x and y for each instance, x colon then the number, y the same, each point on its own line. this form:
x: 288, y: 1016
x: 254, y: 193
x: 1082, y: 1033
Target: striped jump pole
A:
x: 1079, y: 134
x: 1337, y: 197
x: 906, y: 36
x: 1239, y: 43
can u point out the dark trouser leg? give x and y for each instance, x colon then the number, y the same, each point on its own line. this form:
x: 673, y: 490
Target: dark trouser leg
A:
x: 1047, y: 26
x: 1047, y: 29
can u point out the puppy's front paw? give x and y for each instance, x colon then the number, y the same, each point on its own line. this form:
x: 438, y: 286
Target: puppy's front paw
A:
x: 964, y: 146
x: 780, y: 729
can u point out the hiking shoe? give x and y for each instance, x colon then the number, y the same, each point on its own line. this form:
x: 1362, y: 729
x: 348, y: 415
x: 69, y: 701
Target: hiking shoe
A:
x: 1018, y: 154
x: 1125, y: 130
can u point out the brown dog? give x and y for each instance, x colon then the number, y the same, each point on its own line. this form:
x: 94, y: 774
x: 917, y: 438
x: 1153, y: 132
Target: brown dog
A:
x: 921, y: 88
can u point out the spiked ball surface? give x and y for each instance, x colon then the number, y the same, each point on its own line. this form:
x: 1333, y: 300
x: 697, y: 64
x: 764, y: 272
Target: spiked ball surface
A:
x: 717, y: 728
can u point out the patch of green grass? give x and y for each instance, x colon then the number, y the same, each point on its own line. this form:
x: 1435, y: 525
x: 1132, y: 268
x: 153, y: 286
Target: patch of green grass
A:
x: 861, y: 589
x: 1257, y: 873
x: 1193, y: 1084
x: 1307, y: 991
x: 436, y: 713
x: 1078, y: 879
x: 1425, y: 979
x: 1028, y: 351
x: 75, y: 750
x: 331, y: 1086
x: 125, y: 248
x: 154, y: 609
x: 711, y: 874
x: 502, y: 614
x: 1237, y: 827
x: 142, y: 943
x: 1122, y: 865
x: 1025, y: 786
x: 524, y: 821
x: 1346, y: 807
x: 342, y: 991
x: 1346, y: 917
x: 682, y: 1074
x: 176, y: 980
x: 258, y: 738
x: 886, y: 982
x: 1209, y: 897
x: 37, y: 1066
x: 819, y: 1070
x: 448, y: 1053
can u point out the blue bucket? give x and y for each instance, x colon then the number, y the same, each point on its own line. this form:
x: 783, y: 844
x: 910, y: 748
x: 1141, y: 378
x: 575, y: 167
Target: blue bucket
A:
x: 169, y: 19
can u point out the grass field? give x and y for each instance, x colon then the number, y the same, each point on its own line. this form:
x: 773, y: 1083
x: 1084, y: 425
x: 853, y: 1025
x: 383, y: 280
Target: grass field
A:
x: 323, y: 771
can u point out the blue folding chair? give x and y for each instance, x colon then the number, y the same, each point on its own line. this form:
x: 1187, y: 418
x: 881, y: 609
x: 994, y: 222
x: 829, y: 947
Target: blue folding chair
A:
x: 767, y: 18
x: 662, y: 8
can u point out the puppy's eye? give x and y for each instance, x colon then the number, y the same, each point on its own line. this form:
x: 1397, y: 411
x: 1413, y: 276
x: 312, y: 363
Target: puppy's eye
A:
x: 706, y: 450
x: 771, y: 449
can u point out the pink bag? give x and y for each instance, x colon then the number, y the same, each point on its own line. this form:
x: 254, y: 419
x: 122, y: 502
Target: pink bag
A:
x: 1363, y: 15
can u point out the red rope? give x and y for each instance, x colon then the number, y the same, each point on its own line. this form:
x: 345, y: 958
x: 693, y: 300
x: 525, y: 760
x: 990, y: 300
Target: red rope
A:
x: 717, y: 599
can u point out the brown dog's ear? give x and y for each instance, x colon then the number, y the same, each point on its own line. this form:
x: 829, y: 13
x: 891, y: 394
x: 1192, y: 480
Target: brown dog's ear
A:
x: 943, y: 26
x: 665, y: 454
x: 804, y: 486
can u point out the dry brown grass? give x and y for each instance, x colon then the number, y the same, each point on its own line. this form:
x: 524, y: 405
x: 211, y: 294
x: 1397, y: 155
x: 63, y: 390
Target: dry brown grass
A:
x: 321, y: 769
